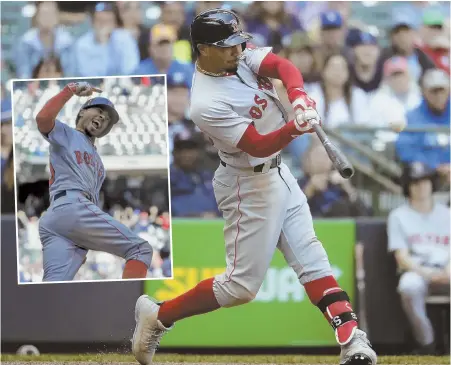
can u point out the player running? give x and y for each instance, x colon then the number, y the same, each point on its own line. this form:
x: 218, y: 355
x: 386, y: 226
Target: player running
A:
x: 74, y: 224
x: 233, y: 101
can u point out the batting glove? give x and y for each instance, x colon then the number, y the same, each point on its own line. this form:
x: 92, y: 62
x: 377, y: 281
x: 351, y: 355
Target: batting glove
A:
x: 304, y: 110
x: 305, y: 119
x: 82, y: 88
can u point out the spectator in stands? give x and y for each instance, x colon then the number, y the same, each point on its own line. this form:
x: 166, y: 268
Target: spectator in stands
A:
x: 308, y: 14
x: 161, y: 56
x: 191, y: 185
x: 106, y: 50
x: 366, y: 70
x: 337, y: 100
x: 397, y: 95
x: 436, y: 42
x: 6, y: 132
x: 302, y: 53
x: 403, y: 37
x: 333, y: 33
x: 42, y: 41
x: 143, y: 223
x: 328, y: 194
x: 418, y: 235
x: 8, y: 196
x: 73, y: 12
x: 178, y: 101
x: 432, y: 149
x: 130, y: 17
x: 173, y: 14
x: 201, y: 6
x: 343, y: 7
x: 48, y: 68
x: 270, y: 24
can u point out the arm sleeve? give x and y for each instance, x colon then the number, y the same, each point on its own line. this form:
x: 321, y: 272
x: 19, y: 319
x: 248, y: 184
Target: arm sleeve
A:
x: 396, y: 236
x: 254, y: 57
x: 59, y: 135
x: 280, y: 68
x: 221, y: 122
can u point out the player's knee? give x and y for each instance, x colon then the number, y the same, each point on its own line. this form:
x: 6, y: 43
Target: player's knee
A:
x: 142, y: 251
x: 232, y: 294
x: 317, y: 266
x: 411, y: 284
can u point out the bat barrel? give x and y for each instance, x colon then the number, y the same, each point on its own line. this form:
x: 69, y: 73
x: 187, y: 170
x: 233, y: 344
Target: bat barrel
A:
x: 347, y: 172
x: 339, y: 160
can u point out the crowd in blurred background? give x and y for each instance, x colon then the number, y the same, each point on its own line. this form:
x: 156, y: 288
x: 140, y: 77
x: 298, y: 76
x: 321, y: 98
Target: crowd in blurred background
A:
x: 376, y: 65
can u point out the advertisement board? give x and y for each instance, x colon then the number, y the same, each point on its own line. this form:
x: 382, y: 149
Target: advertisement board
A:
x: 280, y: 316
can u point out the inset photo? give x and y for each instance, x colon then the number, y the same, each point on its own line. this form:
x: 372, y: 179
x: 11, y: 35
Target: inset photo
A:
x: 91, y: 174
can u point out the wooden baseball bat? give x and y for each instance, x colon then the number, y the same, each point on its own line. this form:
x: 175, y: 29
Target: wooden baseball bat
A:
x: 337, y: 157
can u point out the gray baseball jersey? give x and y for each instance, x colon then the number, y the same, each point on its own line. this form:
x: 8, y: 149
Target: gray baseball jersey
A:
x: 223, y: 107
x: 426, y: 236
x: 74, y: 224
x: 74, y: 162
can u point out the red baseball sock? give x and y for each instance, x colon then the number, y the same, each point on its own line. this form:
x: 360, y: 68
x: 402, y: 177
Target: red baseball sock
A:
x: 198, y: 300
x: 134, y: 269
x: 317, y: 290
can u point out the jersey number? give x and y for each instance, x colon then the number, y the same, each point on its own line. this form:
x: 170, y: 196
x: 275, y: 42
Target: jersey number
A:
x: 256, y: 112
x: 52, y: 175
x: 264, y: 83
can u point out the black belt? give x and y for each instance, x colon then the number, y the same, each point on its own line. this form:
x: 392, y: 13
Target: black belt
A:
x: 276, y: 161
x: 63, y: 193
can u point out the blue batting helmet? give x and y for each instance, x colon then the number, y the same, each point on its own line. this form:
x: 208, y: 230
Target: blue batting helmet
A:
x: 105, y: 104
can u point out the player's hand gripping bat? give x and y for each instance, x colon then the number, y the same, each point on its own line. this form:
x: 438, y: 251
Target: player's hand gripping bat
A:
x: 337, y: 157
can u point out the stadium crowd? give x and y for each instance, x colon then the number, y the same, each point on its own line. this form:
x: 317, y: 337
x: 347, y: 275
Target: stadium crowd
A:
x: 352, y: 68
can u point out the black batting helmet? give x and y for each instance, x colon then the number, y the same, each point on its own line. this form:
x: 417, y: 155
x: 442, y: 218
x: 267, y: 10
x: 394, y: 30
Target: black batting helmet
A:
x: 106, y: 104
x: 414, y: 172
x: 218, y: 27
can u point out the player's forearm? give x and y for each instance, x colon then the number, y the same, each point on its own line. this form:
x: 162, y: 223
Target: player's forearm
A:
x: 280, y: 68
x: 258, y: 145
x: 406, y: 263
x: 47, y: 115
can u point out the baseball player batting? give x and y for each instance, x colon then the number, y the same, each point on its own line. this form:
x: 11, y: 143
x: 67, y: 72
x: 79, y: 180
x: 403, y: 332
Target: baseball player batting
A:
x: 233, y: 101
x: 74, y: 224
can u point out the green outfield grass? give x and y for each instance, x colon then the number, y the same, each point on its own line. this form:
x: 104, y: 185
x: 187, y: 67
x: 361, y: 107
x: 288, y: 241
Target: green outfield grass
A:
x: 251, y: 359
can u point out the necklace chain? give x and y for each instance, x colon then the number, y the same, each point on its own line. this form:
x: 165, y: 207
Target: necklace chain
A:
x: 223, y: 73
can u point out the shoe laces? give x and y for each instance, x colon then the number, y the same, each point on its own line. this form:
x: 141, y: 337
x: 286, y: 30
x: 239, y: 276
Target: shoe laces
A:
x: 153, y: 339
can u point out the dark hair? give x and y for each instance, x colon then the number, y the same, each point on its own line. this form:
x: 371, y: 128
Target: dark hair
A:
x: 51, y: 58
x: 257, y: 13
x: 347, y: 85
x: 119, y: 21
x: 287, y: 52
x: 108, y: 6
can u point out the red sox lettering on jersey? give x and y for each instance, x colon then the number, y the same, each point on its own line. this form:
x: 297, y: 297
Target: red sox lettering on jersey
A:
x: 90, y: 160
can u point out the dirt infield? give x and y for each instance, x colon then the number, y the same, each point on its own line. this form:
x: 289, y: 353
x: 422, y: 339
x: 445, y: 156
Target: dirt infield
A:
x: 180, y: 363
x: 176, y: 359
